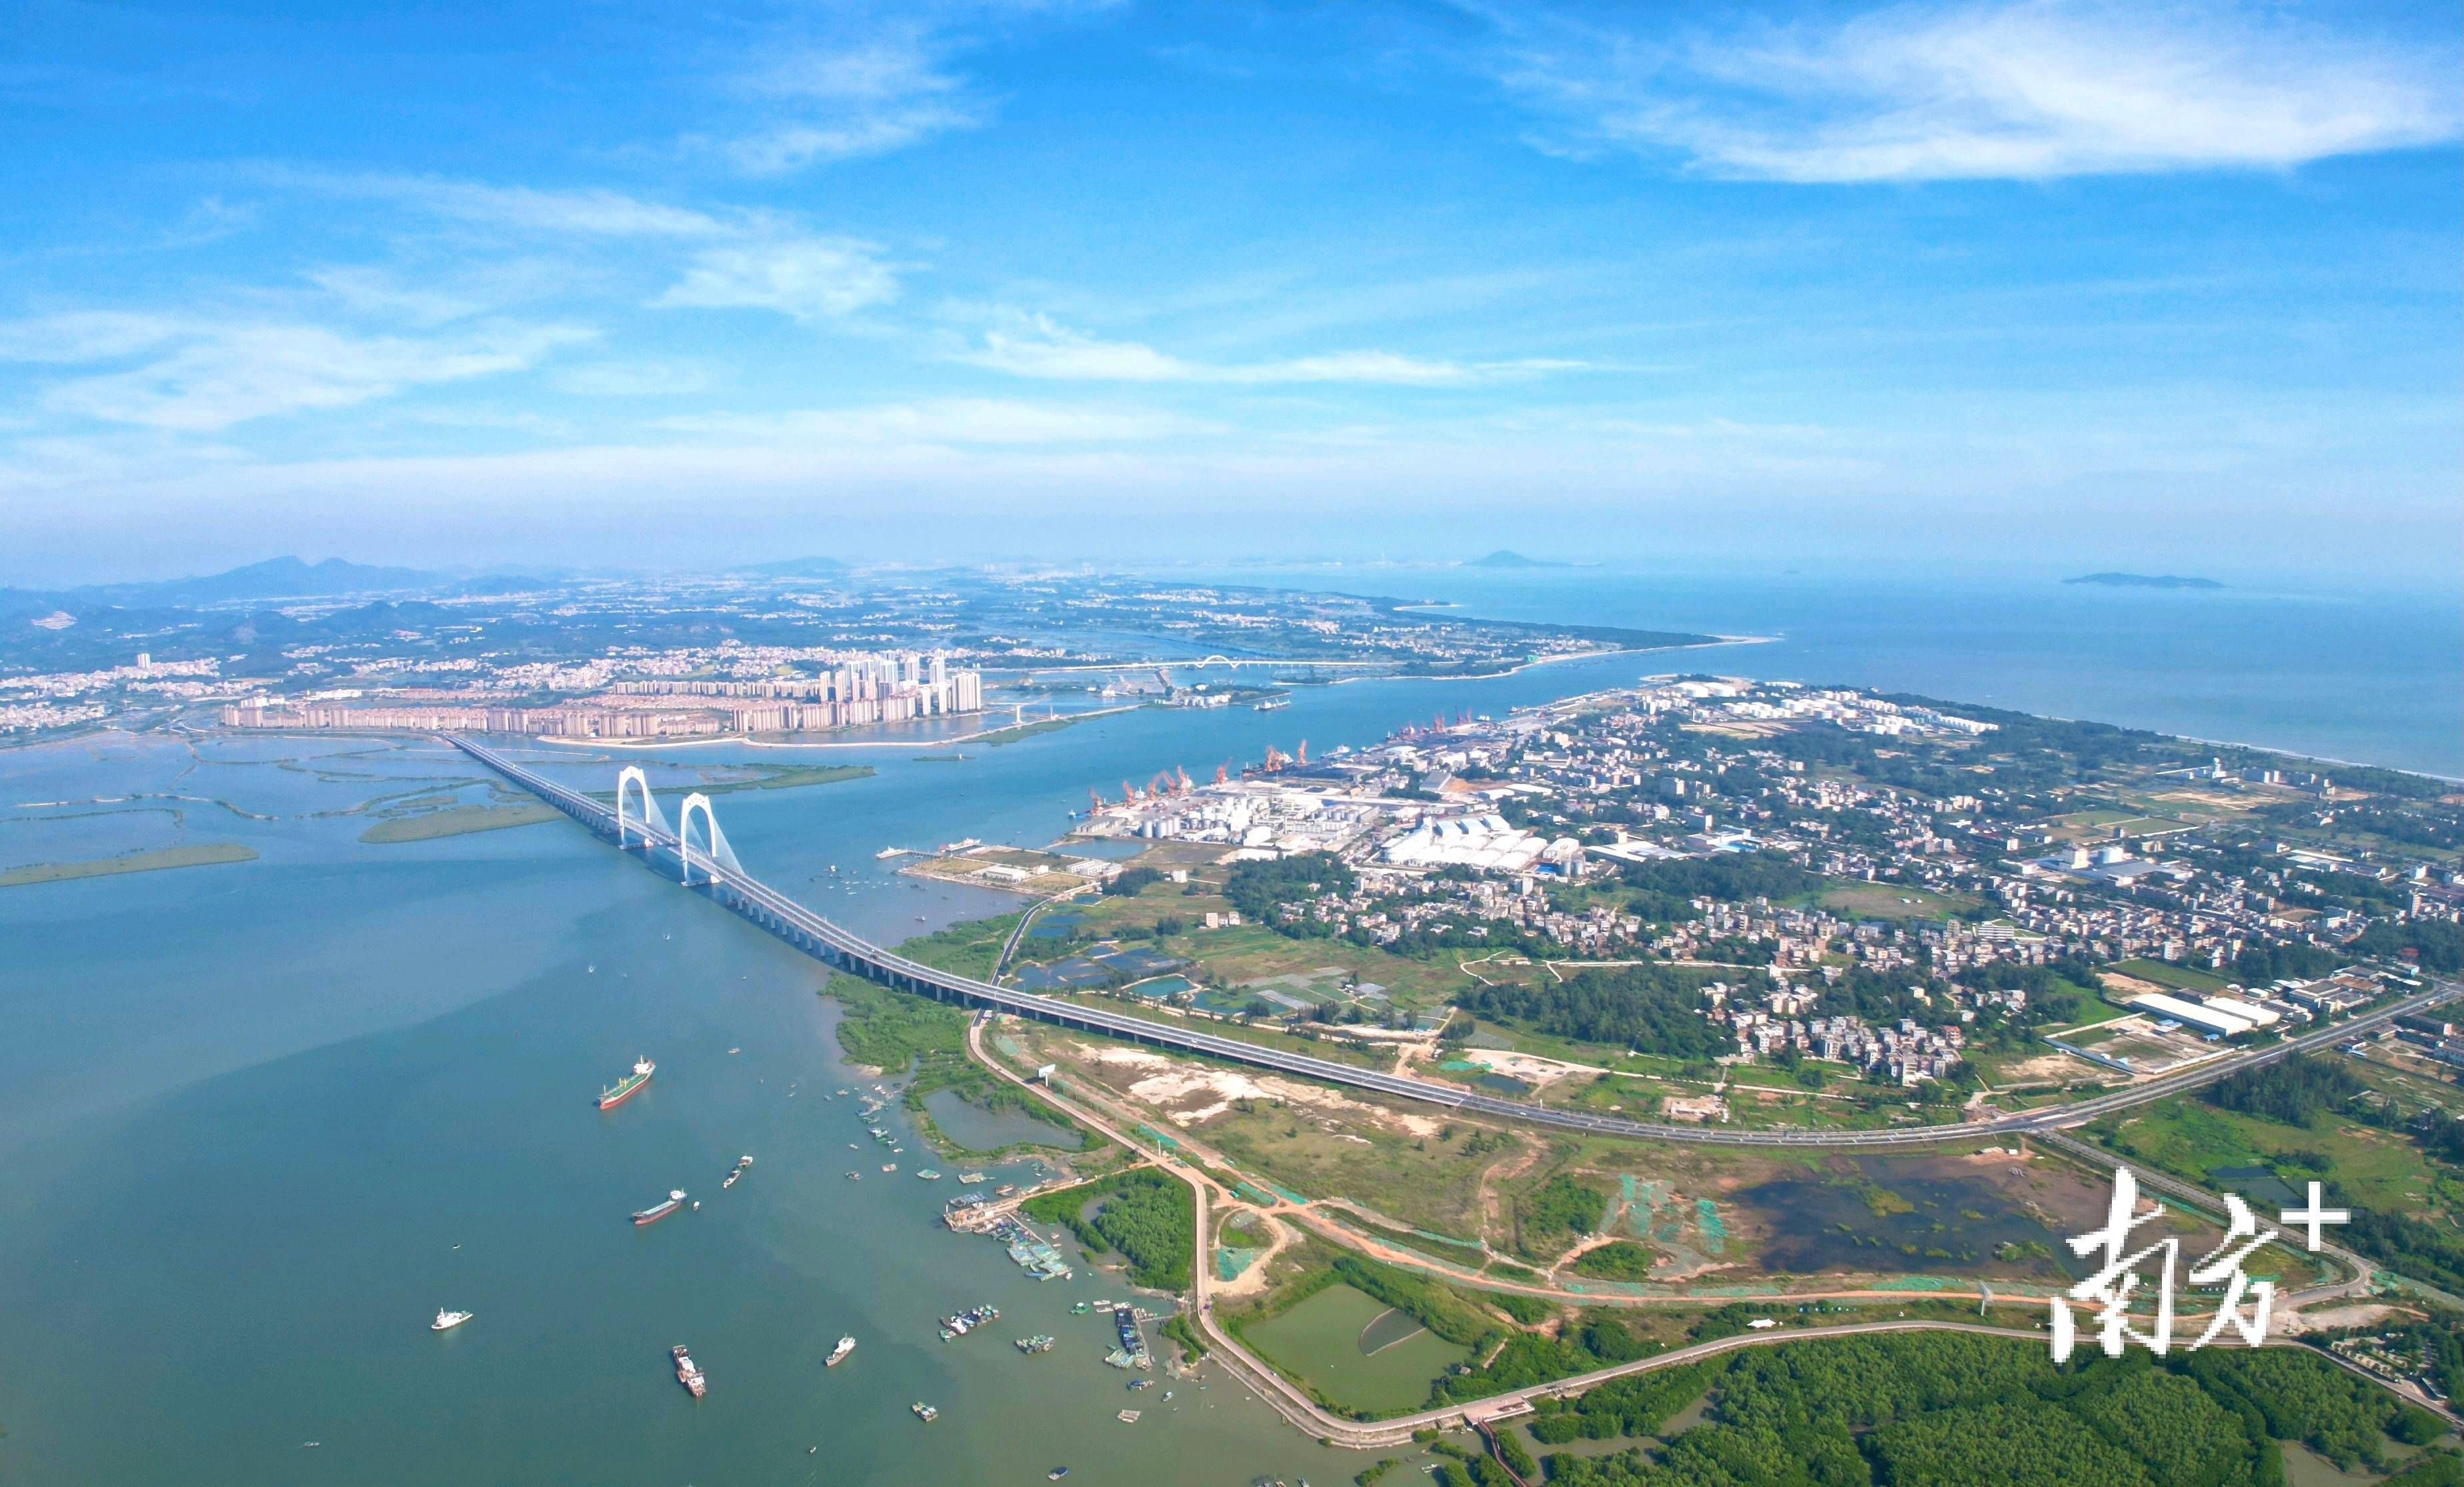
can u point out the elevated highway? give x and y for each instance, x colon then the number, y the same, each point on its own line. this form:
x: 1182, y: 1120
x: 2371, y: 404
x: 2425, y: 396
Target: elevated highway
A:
x: 842, y: 951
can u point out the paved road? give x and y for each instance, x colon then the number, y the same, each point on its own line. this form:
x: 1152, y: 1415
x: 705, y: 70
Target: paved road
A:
x: 837, y: 948
x: 1018, y: 930
x: 1305, y: 1414
x: 844, y: 950
x: 2358, y: 1283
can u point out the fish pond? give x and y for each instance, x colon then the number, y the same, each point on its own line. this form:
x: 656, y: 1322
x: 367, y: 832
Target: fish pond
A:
x: 975, y: 1129
x: 1357, y: 1350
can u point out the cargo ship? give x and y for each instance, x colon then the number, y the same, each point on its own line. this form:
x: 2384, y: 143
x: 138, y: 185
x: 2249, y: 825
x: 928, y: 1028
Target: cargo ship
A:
x: 689, y: 1373
x: 629, y: 1086
x: 838, y: 1354
x: 730, y: 1180
x: 658, y: 1211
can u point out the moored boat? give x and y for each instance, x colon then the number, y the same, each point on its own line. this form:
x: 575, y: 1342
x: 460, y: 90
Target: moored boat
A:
x: 629, y: 1086
x: 448, y: 1321
x: 838, y: 1354
x: 689, y: 1373
x: 658, y: 1211
x: 925, y: 1412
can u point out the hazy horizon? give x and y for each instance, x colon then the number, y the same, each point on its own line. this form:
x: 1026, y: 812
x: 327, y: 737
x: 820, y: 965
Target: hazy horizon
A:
x: 1929, y: 285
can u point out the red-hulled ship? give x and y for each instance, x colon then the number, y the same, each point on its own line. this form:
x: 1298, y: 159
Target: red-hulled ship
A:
x: 629, y: 1086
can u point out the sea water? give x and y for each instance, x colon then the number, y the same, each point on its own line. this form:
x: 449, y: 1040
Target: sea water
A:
x: 260, y: 1121
x: 2375, y: 676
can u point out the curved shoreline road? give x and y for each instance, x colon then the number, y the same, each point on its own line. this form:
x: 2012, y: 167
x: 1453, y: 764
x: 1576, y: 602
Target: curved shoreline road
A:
x: 1306, y: 1414
x: 842, y: 951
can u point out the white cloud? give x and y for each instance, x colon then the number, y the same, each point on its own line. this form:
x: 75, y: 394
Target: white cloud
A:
x: 587, y: 212
x: 634, y: 379
x: 374, y: 291
x: 205, y: 376
x: 945, y: 421
x: 1038, y: 347
x: 864, y: 96
x: 84, y: 336
x: 2031, y: 89
x: 806, y: 278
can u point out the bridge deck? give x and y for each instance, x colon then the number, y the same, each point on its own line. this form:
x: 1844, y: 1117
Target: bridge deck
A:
x: 842, y: 951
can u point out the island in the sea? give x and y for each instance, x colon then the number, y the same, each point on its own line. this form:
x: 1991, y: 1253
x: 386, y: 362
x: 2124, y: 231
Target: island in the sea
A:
x: 1508, y: 558
x: 2144, y: 580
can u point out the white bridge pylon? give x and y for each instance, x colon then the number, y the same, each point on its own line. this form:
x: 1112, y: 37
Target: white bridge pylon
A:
x: 717, y: 848
x: 651, y: 816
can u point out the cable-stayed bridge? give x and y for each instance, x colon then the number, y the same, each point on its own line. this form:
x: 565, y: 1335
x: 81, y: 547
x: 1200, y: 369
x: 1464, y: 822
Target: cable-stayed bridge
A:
x: 724, y: 878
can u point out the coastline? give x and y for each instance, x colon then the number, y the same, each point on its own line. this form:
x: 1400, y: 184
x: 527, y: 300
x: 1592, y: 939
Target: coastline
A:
x: 749, y: 742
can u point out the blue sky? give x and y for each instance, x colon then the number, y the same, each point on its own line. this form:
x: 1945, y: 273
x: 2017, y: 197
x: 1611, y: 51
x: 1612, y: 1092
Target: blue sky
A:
x: 2018, y: 284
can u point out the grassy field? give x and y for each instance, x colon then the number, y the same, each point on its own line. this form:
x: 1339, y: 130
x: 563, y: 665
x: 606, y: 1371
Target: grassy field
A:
x: 1354, y: 1349
x: 1022, y: 730
x: 2094, y: 1012
x: 2166, y: 973
x: 2191, y: 1138
x: 968, y: 949
x: 202, y: 854
x: 1229, y: 956
x: 775, y: 777
x: 793, y: 776
x: 458, y: 821
x: 1893, y: 901
x: 1246, y: 952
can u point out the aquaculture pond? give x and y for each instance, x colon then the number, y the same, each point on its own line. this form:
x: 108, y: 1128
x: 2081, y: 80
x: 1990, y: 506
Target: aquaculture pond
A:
x: 1357, y: 1350
x: 978, y: 1130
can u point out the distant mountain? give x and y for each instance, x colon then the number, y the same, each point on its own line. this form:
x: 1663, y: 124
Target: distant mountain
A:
x: 1505, y: 558
x: 2144, y: 580
x: 278, y: 578
x: 290, y: 578
x: 798, y: 568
